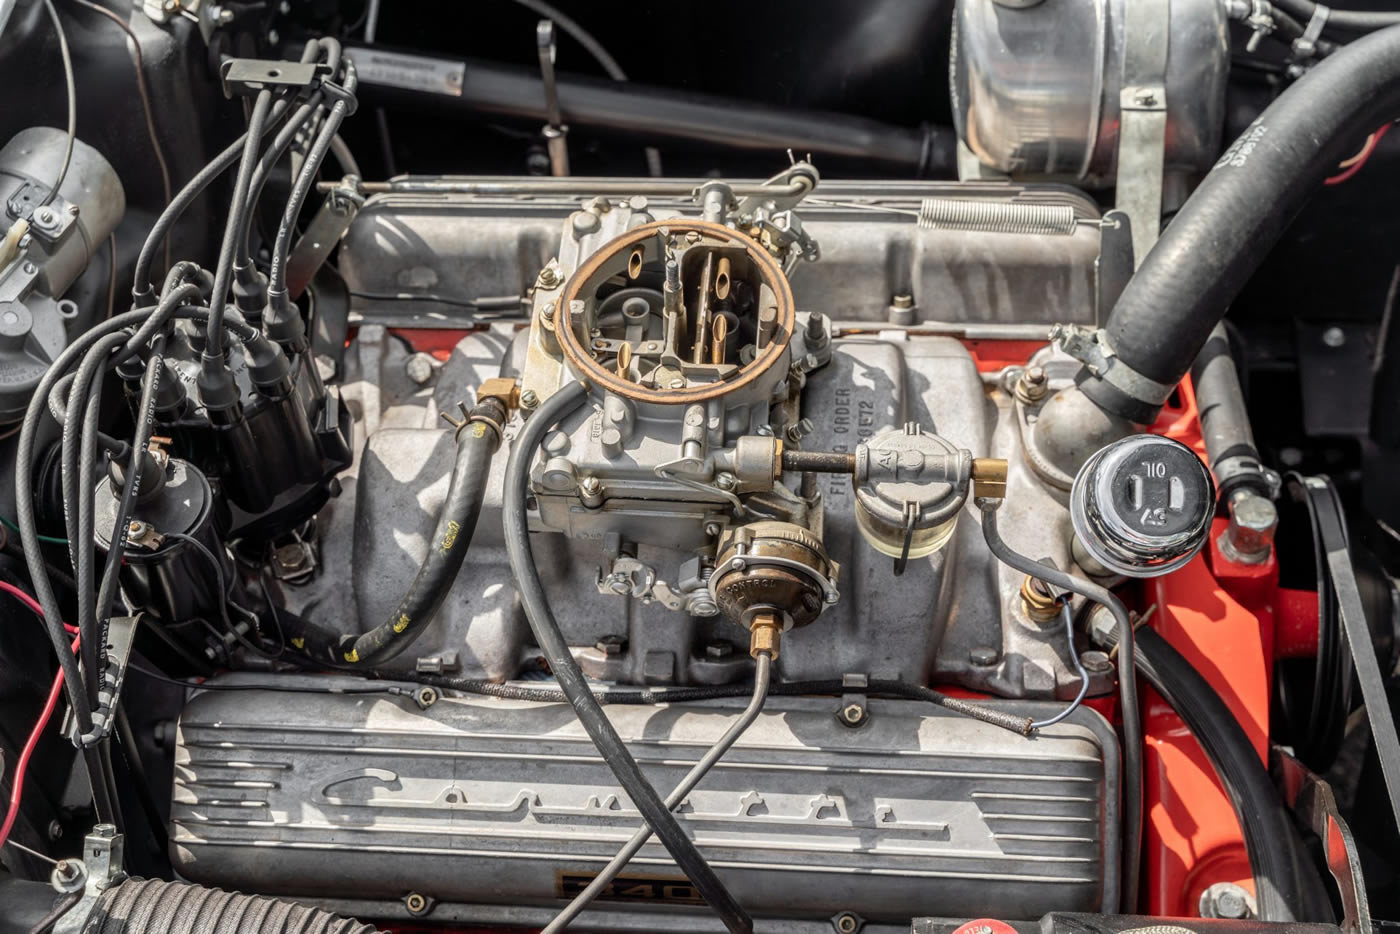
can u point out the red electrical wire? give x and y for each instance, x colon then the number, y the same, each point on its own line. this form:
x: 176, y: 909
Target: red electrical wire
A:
x: 22, y: 764
x: 30, y: 602
x: 1357, y: 162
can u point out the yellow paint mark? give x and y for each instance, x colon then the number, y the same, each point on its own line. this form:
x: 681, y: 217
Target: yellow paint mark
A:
x: 401, y: 623
x: 352, y: 656
x: 450, y: 538
x: 299, y: 643
x: 478, y: 430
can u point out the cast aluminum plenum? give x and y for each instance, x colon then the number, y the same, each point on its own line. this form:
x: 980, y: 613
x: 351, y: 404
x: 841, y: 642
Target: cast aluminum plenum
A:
x: 954, y: 616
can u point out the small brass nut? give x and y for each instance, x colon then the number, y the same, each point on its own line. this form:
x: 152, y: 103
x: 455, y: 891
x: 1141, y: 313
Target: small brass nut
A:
x: 989, y: 477
x: 416, y: 903
x: 765, y: 635
x: 1037, y: 600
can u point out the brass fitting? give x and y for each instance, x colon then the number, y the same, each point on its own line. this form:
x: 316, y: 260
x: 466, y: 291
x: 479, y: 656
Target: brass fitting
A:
x: 765, y: 635
x: 501, y: 388
x: 1037, y: 600
x: 989, y: 477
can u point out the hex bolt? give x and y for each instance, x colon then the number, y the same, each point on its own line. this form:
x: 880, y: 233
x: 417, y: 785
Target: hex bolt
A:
x: 419, y: 368
x: 983, y: 655
x: 425, y: 697
x: 853, y: 715
x: 1250, y: 535
x: 549, y: 276
x: 416, y: 903
x: 1096, y: 662
x: 726, y: 481
x: 590, y: 486
x: 55, y: 830
x: 1226, y: 900
x: 68, y: 875
x: 611, y: 646
x: 529, y: 400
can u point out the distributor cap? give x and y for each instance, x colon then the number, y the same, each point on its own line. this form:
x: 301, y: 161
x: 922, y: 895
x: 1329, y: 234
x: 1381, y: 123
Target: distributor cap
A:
x: 1142, y: 506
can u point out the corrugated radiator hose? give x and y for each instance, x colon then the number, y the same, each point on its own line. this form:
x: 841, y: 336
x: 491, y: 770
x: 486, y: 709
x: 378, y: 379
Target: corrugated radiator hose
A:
x: 153, y: 906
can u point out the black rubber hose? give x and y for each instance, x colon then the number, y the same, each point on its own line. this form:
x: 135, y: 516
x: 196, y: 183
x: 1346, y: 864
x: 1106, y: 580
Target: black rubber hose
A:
x: 153, y: 906
x: 1349, y: 20
x: 491, y: 89
x: 762, y: 674
x: 1281, y: 889
x: 477, y: 442
x: 551, y: 641
x: 1228, y: 225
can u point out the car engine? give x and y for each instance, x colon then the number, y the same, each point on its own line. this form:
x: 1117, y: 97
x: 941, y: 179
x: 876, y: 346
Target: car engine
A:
x: 698, y: 513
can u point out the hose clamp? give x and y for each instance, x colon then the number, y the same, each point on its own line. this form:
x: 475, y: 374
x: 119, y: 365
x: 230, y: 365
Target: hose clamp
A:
x: 1090, y: 347
x: 1305, y: 46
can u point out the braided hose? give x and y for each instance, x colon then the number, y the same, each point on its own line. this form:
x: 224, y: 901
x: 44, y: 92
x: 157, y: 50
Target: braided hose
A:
x: 153, y: 906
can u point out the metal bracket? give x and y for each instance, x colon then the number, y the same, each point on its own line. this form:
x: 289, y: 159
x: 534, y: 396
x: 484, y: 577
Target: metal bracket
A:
x: 555, y: 131
x: 1142, y: 131
x: 102, y: 858
x: 246, y: 77
x: 331, y: 222
x: 783, y: 198
x: 121, y: 631
x: 855, y: 705
x: 50, y: 222
x: 1312, y: 799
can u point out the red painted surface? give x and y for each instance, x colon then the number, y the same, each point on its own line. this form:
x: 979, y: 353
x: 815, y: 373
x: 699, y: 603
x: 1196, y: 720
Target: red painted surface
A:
x: 1295, y: 623
x: 1220, y: 616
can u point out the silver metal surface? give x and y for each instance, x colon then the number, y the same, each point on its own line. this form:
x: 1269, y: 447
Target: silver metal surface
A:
x: 917, y: 627
x: 1142, y: 125
x: 495, y: 242
x: 1038, y: 91
x: 89, y: 204
x: 61, y: 236
x: 488, y: 801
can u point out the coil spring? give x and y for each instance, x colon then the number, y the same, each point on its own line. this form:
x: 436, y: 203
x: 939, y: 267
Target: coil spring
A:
x: 995, y: 217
